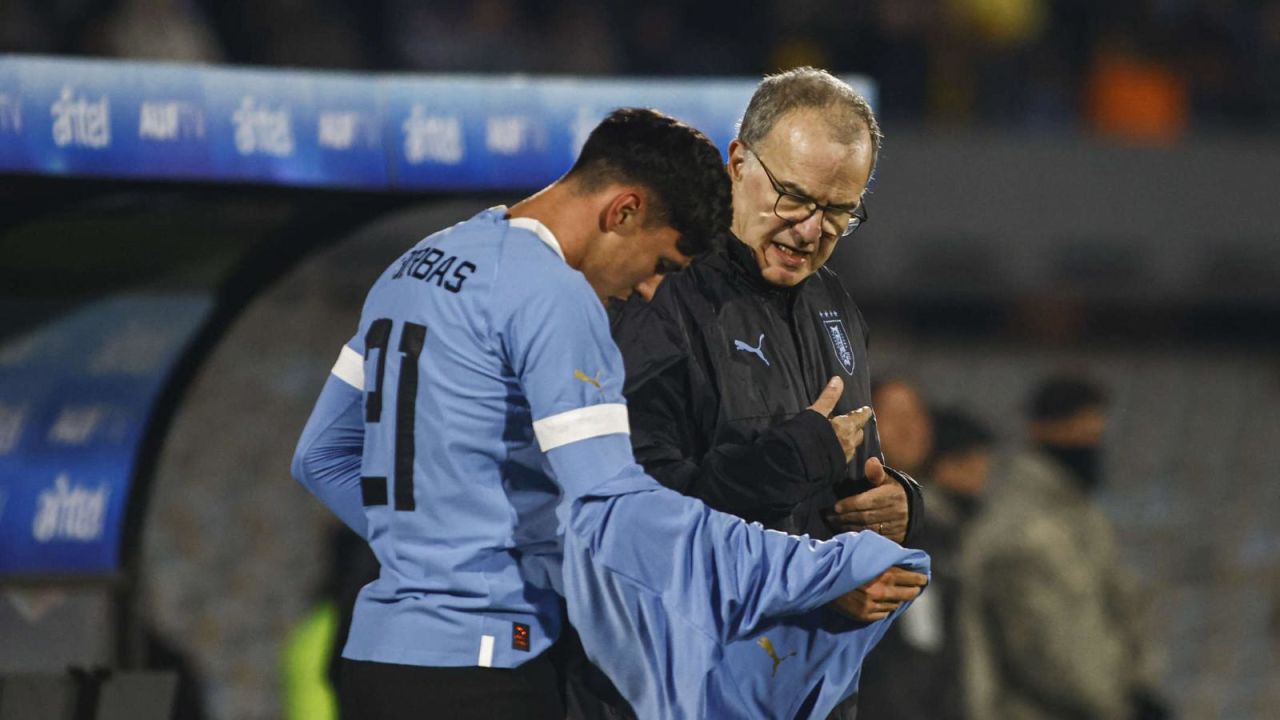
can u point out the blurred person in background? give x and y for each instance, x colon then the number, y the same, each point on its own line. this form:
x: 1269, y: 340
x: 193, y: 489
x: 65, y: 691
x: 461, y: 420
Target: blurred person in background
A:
x: 915, y: 671
x: 747, y: 374
x: 1051, y: 621
x: 902, y: 417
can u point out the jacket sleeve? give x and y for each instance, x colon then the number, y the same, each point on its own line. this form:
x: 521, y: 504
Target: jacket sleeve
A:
x: 915, y: 503
x: 327, y: 459
x: 762, y: 480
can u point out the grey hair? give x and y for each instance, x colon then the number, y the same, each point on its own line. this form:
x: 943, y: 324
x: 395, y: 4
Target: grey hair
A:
x: 846, y: 112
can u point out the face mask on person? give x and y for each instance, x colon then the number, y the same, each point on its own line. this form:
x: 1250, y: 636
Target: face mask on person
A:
x: 1084, y: 462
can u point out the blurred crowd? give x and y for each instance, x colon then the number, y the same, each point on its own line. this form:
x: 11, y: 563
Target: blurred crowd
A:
x: 1149, y: 69
x: 1031, y: 612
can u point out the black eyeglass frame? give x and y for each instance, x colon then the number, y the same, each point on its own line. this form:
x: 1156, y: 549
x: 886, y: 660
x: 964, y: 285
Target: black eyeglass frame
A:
x: 857, y: 217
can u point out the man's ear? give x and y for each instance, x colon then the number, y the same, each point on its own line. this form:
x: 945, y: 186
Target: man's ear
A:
x: 624, y: 212
x: 737, y: 157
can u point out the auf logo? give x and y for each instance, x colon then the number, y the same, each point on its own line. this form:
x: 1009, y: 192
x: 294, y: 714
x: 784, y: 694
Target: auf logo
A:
x: 337, y: 130
x: 579, y: 375
x: 169, y: 121
x: 505, y: 135
x: 767, y: 644
x: 758, y: 350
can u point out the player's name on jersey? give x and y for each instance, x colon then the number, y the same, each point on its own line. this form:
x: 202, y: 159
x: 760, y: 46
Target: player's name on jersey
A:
x: 432, y: 265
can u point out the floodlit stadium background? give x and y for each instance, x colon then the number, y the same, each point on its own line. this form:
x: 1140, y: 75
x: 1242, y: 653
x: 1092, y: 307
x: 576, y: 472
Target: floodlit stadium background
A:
x: 1086, y: 185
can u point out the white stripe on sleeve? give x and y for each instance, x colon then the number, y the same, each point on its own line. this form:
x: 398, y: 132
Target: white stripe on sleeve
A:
x: 486, y: 651
x: 581, y: 424
x: 350, y: 368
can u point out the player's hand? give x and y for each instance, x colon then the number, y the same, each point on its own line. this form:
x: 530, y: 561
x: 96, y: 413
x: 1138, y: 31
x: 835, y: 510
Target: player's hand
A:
x: 883, y: 508
x: 879, y: 598
x: 848, y: 427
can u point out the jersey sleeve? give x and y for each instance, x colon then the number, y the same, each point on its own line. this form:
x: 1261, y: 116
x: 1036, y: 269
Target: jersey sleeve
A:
x: 328, y: 455
x: 555, y: 337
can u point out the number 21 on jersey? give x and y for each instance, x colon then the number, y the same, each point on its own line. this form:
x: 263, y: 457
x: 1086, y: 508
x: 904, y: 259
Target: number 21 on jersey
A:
x: 412, y: 337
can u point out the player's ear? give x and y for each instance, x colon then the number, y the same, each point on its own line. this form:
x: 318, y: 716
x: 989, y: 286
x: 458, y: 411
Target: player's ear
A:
x: 625, y: 211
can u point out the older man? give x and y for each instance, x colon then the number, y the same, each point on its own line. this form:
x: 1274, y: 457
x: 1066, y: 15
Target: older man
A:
x: 728, y: 363
x: 746, y: 372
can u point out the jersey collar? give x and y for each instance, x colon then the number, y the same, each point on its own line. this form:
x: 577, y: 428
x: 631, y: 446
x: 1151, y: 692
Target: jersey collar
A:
x: 537, y: 228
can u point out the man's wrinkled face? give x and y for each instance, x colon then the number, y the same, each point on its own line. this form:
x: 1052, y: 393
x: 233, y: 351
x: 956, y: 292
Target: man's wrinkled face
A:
x: 805, y: 161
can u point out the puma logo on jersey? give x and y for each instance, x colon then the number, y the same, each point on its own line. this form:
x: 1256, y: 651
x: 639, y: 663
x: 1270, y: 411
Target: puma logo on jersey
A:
x: 758, y: 350
x: 579, y: 375
x: 767, y: 644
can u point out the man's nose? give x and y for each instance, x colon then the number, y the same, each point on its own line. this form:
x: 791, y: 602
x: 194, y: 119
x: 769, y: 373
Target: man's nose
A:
x: 810, y: 229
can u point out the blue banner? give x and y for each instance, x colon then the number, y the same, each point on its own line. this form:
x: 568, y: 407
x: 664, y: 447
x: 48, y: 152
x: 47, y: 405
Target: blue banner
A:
x: 76, y: 397
x: 438, y: 132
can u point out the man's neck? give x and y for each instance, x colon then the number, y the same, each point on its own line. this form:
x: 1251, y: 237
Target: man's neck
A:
x: 561, y: 210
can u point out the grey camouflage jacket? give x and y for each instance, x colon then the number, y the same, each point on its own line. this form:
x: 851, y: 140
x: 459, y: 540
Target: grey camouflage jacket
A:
x: 1050, y: 621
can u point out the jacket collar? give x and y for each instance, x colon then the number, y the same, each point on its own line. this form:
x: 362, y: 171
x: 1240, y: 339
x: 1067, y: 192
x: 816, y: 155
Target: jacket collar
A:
x: 742, y: 262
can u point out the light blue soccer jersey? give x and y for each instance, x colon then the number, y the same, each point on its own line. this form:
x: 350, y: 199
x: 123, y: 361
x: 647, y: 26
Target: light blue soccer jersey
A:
x: 474, y: 428
x: 455, y: 499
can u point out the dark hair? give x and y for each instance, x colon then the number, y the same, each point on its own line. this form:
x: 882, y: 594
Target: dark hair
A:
x: 1062, y: 396
x: 677, y: 163
x: 956, y: 432
x: 846, y: 112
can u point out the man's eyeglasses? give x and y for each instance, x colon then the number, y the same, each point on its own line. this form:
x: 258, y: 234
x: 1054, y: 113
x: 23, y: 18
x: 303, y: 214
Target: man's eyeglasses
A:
x: 795, y: 208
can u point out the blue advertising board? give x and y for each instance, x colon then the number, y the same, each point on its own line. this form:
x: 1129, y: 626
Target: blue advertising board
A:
x: 371, y: 131
x: 76, y: 396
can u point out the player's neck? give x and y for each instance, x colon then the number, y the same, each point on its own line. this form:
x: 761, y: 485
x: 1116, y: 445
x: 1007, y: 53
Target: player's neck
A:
x: 567, y: 214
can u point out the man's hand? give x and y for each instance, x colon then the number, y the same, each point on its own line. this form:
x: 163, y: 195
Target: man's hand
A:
x: 848, y: 427
x: 883, y: 508
x: 879, y: 598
